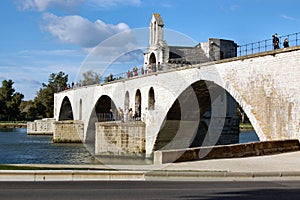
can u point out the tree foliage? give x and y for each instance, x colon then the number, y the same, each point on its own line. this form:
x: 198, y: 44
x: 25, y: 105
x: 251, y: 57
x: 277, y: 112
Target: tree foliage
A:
x: 9, y: 101
x: 13, y: 108
x: 90, y: 77
x: 43, y: 105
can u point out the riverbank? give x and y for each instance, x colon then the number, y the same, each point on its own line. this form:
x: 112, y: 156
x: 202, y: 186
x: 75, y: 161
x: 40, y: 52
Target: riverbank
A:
x: 13, y: 125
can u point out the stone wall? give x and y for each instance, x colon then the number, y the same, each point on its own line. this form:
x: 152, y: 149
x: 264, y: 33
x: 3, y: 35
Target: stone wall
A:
x: 226, y: 151
x: 114, y: 138
x: 267, y: 88
x: 41, y: 127
x: 69, y: 131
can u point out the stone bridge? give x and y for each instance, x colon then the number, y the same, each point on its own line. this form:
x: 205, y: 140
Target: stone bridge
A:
x: 172, y: 105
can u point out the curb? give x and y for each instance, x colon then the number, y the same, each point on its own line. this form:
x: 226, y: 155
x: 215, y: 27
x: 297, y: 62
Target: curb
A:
x: 68, y: 175
x: 169, y: 175
x: 202, y: 176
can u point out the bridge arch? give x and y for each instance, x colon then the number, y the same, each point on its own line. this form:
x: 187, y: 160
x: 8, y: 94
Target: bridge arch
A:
x: 101, y: 112
x: 210, y: 101
x: 104, y: 107
x: 186, y: 112
x: 66, y: 111
x: 247, y: 110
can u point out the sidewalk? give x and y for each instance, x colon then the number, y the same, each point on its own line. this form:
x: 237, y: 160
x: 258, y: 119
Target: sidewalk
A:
x: 285, y: 166
x: 284, y: 162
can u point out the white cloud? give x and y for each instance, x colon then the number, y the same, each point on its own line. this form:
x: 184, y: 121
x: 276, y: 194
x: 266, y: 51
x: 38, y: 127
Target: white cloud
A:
x: 80, y: 31
x: 234, y: 7
x: 113, y: 3
x: 288, y: 17
x: 60, y: 52
x: 42, y: 5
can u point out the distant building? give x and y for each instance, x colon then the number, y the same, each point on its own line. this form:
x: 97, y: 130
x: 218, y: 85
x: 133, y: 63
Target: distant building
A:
x: 159, y: 54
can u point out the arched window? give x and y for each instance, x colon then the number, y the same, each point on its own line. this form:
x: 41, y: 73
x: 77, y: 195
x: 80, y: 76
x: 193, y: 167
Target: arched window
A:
x: 80, y: 109
x: 127, y: 101
x: 152, y: 63
x: 138, y: 102
x: 151, y: 99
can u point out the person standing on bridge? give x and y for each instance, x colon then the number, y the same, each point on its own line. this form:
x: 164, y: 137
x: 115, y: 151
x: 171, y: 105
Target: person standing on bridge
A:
x: 275, y: 41
x: 286, y: 43
x: 130, y: 114
x: 111, y: 115
x: 120, y: 114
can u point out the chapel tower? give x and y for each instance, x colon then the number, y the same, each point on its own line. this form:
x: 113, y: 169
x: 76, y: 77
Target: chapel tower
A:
x: 158, y: 51
x: 156, y: 29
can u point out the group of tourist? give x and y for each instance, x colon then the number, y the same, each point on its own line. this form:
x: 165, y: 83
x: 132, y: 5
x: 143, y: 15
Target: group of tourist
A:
x: 122, y: 116
x: 147, y: 69
x: 68, y: 86
x: 134, y: 72
x: 276, y: 42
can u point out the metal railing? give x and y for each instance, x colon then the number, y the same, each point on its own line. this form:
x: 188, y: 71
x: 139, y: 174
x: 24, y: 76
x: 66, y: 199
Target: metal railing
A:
x: 112, y: 117
x: 267, y: 45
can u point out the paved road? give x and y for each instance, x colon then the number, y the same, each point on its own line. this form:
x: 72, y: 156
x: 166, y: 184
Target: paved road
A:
x: 150, y: 190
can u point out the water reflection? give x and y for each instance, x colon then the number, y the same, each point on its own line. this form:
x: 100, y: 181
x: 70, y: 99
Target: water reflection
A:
x: 16, y: 147
x: 248, y: 136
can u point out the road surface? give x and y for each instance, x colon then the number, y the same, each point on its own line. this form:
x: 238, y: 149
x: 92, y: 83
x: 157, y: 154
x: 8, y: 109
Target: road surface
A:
x: 150, y: 190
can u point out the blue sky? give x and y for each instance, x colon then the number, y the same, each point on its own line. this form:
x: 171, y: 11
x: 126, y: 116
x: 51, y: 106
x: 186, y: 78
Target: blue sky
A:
x: 39, y: 37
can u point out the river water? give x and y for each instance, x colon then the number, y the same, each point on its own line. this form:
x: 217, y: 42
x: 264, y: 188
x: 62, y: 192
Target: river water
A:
x: 16, y: 147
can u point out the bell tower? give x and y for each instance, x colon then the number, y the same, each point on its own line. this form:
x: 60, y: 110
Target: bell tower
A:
x: 157, y: 52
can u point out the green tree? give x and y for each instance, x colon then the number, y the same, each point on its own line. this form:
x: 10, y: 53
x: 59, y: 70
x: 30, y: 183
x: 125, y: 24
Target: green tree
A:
x: 9, y: 101
x: 24, y: 107
x: 90, y: 77
x: 44, y: 101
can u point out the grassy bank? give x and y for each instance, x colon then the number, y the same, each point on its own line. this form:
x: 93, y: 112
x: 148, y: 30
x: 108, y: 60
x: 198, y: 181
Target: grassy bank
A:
x: 50, y: 167
x: 12, y: 167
